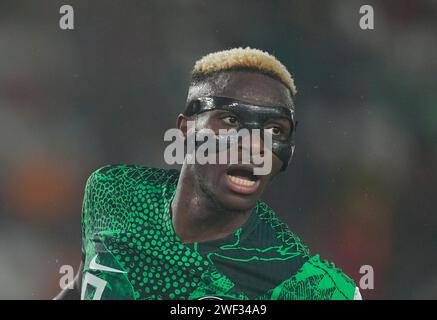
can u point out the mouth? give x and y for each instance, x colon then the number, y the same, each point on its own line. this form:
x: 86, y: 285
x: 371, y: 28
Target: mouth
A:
x: 241, y: 179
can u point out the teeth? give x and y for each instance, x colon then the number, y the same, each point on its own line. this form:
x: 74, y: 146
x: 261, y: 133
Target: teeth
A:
x: 240, y: 181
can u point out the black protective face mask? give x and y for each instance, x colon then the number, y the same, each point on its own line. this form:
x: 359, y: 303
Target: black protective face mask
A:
x: 252, y: 117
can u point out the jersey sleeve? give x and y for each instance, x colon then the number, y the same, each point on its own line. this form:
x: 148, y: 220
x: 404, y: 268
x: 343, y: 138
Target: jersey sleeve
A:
x: 104, y: 211
x: 105, y: 204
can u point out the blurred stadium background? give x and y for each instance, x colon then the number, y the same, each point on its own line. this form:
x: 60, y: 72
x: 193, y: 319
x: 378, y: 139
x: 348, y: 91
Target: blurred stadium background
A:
x: 362, y: 187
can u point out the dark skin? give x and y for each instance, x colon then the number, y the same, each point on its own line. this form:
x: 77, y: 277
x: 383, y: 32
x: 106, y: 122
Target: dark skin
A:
x: 204, y: 208
x: 213, y: 211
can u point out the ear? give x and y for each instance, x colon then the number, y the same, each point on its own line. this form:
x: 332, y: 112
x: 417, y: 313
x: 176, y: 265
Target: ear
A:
x: 181, y: 124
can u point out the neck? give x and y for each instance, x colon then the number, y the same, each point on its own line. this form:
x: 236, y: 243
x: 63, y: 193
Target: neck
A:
x: 195, y: 215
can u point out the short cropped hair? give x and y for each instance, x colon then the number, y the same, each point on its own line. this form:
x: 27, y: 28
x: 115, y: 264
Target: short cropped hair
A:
x: 243, y: 59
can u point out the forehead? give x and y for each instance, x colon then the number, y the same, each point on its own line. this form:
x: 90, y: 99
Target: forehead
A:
x: 247, y: 86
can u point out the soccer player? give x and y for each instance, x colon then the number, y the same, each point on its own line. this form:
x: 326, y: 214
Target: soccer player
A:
x: 203, y: 232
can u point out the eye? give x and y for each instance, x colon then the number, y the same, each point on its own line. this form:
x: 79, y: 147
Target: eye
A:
x: 230, y: 120
x: 275, y: 130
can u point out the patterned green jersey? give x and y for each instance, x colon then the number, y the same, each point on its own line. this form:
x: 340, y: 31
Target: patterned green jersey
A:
x: 132, y: 252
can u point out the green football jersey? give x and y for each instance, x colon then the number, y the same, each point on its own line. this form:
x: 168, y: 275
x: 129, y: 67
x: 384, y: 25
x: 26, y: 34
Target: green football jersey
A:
x: 131, y: 250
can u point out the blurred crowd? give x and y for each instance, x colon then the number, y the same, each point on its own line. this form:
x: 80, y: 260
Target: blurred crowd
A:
x: 360, y: 190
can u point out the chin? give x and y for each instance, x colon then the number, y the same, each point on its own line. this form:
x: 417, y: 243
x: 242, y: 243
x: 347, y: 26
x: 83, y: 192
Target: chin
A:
x: 233, y: 188
x: 233, y: 201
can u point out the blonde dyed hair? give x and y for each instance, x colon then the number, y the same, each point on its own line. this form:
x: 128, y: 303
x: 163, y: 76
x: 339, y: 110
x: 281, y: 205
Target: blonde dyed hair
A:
x: 244, y: 58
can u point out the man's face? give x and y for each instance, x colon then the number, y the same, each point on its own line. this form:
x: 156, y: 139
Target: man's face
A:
x: 234, y: 187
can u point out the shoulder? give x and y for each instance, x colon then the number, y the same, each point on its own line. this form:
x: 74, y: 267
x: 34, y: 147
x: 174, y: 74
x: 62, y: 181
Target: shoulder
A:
x: 112, y: 186
x: 316, y: 278
x: 111, y: 190
x: 329, y: 281
x: 129, y: 175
